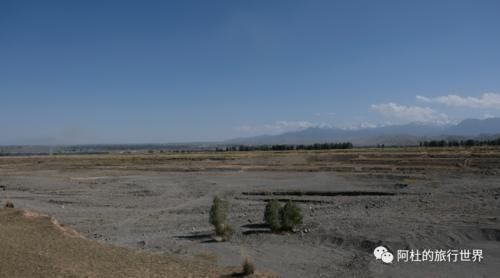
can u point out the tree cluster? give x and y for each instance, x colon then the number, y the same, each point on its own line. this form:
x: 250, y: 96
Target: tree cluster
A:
x: 287, y: 147
x: 460, y: 143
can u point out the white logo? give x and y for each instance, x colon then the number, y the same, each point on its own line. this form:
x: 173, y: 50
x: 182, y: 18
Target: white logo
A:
x: 381, y: 253
x: 387, y: 257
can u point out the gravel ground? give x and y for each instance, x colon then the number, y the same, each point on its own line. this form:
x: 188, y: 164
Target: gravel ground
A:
x: 346, y: 215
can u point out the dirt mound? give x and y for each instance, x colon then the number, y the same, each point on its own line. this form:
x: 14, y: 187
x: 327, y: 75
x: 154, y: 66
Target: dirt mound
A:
x: 36, y: 245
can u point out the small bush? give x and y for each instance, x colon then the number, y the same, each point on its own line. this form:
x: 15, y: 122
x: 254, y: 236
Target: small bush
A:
x: 219, y: 229
x: 282, y: 218
x: 218, y: 216
x: 272, y: 215
x: 248, y: 266
x: 9, y: 204
x: 227, y: 232
x: 291, y: 216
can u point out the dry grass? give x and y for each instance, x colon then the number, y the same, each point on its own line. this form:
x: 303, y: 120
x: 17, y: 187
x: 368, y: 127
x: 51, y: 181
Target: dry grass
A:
x: 324, y: 160
x: 34, y: 245
x: 248, y: 266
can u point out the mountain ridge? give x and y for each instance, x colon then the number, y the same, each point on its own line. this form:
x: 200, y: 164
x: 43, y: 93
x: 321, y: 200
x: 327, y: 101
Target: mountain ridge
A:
x: 407, y: 134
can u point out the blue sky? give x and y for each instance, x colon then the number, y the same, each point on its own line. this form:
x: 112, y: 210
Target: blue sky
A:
x: 171, y: 71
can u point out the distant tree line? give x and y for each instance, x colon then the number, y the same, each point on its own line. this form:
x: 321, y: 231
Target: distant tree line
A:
x: 286, y: 147
x: 460, y: 143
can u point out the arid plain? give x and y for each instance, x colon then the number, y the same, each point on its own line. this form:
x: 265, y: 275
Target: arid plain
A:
x: 352, y: 200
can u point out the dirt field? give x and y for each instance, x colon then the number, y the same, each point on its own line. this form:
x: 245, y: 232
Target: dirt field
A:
x: 353, y: 201
x: 34, y: 245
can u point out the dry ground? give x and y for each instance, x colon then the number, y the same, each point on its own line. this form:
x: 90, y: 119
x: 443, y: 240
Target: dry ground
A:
x: 35, y: 245
x: 353, y: 200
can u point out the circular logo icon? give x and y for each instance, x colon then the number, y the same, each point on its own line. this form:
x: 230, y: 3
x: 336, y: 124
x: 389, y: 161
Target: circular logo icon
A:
x: 379, y: 251
x: 387, y: 257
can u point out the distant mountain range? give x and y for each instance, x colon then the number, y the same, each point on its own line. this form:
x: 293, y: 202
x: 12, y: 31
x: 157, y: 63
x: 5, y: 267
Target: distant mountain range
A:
x: 409, y: 134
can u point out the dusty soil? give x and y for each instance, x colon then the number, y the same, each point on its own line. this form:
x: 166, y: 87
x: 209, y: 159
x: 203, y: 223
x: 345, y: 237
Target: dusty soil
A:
x: 34, y: 245
x: 352, y: 200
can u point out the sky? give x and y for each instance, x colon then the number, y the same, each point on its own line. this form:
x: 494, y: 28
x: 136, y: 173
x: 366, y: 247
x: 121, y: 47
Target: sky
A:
x: 75, y: 72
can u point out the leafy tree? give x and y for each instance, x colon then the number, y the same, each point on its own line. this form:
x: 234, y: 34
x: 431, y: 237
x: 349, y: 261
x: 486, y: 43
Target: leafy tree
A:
x: 218, y: 216
x: 272, y: 215
x: 291, y: 216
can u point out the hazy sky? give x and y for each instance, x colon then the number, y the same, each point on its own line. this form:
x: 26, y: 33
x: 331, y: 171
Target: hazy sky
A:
x: 168, y: 71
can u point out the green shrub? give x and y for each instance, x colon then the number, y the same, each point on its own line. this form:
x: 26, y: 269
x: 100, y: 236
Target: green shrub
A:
x: 291, y: 216
x: 282, y: 218
x: 218, y: 216
x: 272, y: 215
